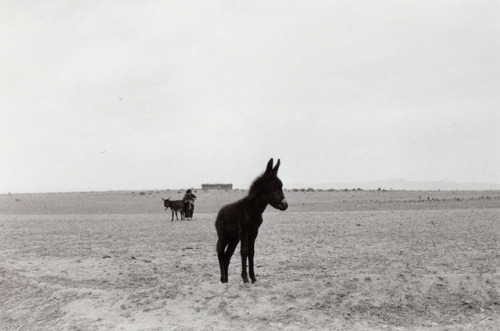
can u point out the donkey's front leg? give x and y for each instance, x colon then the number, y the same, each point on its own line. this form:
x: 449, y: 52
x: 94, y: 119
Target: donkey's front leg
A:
x: 251, y: 251
x: 244, y: 255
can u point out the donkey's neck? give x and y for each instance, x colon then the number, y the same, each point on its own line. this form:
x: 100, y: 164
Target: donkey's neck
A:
x: 257, y: 202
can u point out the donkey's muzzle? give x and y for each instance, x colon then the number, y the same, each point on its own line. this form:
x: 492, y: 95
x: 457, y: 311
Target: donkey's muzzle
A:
x: 283, y: 205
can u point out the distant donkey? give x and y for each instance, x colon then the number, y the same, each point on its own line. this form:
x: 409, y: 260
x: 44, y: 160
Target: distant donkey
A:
x: 240, y: 221
x: 175, y: 206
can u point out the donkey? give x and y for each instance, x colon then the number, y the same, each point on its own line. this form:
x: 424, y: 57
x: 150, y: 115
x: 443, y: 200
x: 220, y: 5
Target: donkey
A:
x: 240, y: 221
x: 175, y: 206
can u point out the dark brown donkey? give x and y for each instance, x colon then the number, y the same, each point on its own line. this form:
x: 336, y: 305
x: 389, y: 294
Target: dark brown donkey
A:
x: 240, y: 221
x: 175, y: 206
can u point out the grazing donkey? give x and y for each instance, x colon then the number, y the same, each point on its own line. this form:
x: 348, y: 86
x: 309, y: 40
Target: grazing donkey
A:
x: 175, y: 206
x: 240, y: 221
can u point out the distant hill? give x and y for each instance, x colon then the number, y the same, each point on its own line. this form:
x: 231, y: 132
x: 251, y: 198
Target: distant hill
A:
x: 402, y: 184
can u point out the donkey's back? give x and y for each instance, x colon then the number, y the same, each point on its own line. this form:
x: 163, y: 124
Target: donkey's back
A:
x: 177, y: 205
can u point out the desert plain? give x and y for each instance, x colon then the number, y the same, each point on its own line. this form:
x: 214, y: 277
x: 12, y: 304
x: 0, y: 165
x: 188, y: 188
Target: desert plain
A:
x: 335, y: 260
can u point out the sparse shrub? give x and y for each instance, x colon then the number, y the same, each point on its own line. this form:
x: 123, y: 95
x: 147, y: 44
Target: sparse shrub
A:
x: 142, y: 193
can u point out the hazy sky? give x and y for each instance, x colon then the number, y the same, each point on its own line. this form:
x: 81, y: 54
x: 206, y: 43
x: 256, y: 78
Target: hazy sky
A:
x: 111, y: 95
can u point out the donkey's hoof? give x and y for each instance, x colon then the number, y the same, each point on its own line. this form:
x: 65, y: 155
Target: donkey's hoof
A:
x: 254, y: 280
x: 223, y: 280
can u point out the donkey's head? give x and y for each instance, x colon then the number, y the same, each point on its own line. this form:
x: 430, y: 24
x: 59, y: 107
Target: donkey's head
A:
x: 270, y: 187
x: 166, y: 203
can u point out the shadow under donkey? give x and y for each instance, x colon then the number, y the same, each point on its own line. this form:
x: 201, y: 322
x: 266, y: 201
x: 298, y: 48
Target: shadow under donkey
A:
x: 240, y: 221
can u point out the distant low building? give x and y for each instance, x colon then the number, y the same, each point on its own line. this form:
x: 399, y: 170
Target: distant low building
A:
x: 217, y: 186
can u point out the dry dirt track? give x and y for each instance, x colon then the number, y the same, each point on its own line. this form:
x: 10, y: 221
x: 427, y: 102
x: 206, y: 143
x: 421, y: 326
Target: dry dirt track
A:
x: 334, y: 260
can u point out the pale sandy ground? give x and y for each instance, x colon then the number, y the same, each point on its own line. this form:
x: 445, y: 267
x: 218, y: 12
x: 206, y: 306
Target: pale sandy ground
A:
x: 334, y: 260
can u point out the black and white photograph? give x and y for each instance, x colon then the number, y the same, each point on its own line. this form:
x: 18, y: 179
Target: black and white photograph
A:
x: 249, y: 165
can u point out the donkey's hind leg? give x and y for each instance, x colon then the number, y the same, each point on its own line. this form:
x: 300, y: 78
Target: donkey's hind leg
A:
x: 221, y: 246
x: 227, y: 255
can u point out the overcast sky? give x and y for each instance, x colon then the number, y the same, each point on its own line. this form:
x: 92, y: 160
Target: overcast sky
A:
x: 112, y: 95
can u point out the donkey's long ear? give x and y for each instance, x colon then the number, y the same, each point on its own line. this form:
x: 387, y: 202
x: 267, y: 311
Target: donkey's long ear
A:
x: 269, y: 168
x: 275, y: 169
x: 163, y: 200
